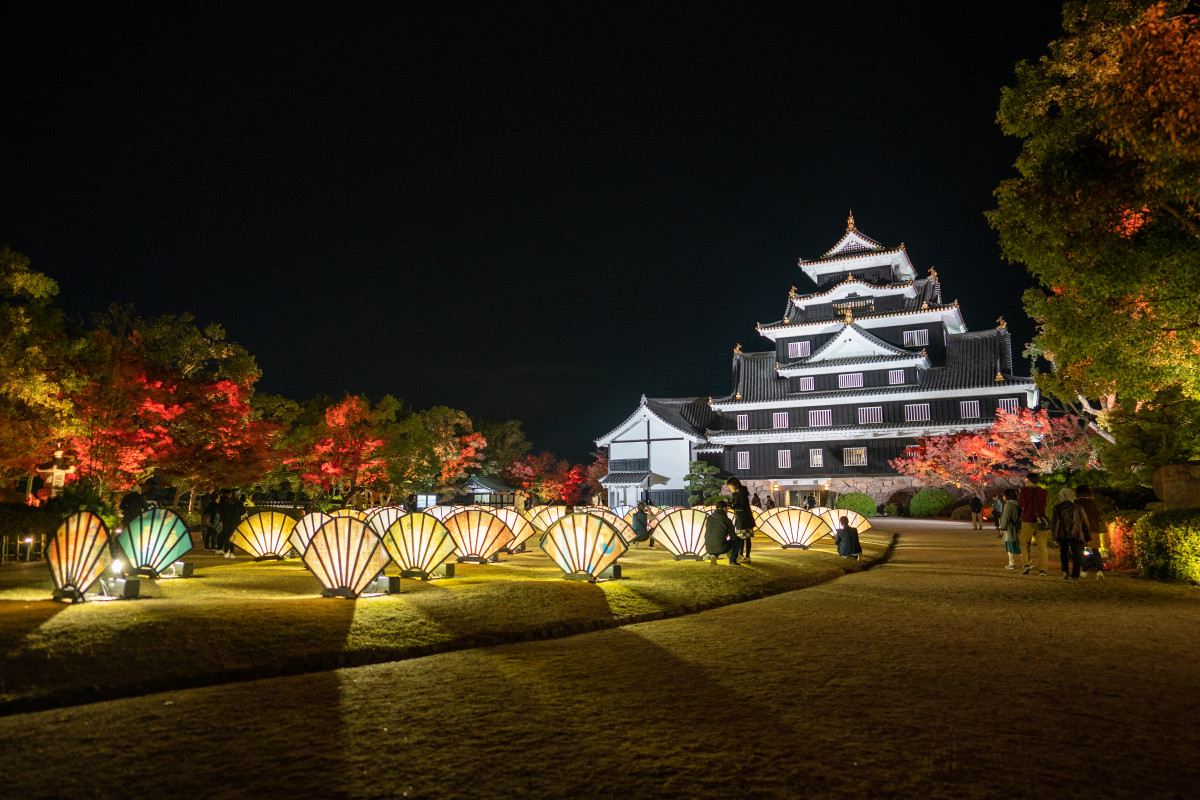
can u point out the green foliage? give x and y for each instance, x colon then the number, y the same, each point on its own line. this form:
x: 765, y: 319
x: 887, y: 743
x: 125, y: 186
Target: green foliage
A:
x: 506, y: 443
x: 85, y: 495
x: 931, y: 503
x: 1166, y: 544
x: 857, y: 501
x: 961, y: 513
x: 702, y: 483
x: 891, y: 510
x: 1118, y: 539
x: 1154, y: 434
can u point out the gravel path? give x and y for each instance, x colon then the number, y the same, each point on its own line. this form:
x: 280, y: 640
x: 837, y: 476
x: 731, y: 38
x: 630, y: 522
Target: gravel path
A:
x: 937, y: 674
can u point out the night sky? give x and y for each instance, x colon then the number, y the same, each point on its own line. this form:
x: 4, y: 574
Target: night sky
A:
x: 524, y: 211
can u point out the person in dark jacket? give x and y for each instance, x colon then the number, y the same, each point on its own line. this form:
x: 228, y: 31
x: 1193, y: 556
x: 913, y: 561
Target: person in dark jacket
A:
x: 743, y: 518
x: 133, y: 505
x: 976, y: 513
x: 1010, y: 527
x: 846, y: 539
x: 1069, y: 527
x: 719, y: 535
x: 755, y: 501
x: 1094, y: 561
x: 770, y: 502
x: 231, y: 516
x: 210, y: 519
x: 640, y: 524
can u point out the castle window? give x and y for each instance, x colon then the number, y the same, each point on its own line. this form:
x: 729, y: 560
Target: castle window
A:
x: 1010, y: 404
x: 895, y: 376
x: 969, y: 409
x: 869, y: 414
x: 743, y: 422
x: 743, y: 459
x: 779, y: 419
x: 851, y: 380
x: 808, y: 384
x: 918, y: 412
x: 785, y: 459
x: 817, y: 419
x: 816, y: 457
x: 798, y: 349
x: 917, y: 338
x: 854, y: 456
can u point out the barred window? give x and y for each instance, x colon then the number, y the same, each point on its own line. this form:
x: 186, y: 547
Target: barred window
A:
x: 816, y: 457
x: 917, y: 338
x: 918, y: 412
x: 798, y: 349
x: 779, y: 419
x: 807, y: 384
x: 851, y: 380
x: 868, y: 414
x: 895, y: 376
x: 819, y: 418
x: 743, y: 422
x: 968, y: 409
x: 1010, y: 404
x: 743, y: 459
x: 785, y: 459
x: 854, y: 456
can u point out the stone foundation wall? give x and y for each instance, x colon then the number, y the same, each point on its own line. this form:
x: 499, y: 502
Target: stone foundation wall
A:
x: 881, y: 488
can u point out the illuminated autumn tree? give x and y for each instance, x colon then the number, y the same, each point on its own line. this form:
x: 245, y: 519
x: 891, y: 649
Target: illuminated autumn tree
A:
x: 348, y: 446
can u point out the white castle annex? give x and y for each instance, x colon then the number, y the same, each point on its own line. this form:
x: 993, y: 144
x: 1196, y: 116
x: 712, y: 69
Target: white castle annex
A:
x: 857, y: 370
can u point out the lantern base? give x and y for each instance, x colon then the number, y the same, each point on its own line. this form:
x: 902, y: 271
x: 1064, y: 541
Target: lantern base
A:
x: 795, y: 547
x: 342, y: 592
x: 384, y: 584
x: 689, y: 557
x: 124, y: 588
x: 74, y: 595
x: 441, y: 571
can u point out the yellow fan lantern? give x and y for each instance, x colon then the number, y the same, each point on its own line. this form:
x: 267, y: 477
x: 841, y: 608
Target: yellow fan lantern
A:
x: 857, y: 520
x: 420, y: 544
x: 265, y: 535
x: 346, y: 556
x: 520, y: 526
x: 583, y: 545
x: 682, y: 533
x: 478, y: 534
x: 78, y: 555
x: 793, y: 528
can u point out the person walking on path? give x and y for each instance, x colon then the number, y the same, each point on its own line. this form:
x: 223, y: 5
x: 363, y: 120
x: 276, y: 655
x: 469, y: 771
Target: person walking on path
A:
x: 1010, y: 527
x: 743, y: 519
x: 210, y: 520
x: 1032, y: 500
x: 1069, y: 526
x: 719, y: 535
x: 846, y: 539
x: 1085, y: 500
x: 976, y: 513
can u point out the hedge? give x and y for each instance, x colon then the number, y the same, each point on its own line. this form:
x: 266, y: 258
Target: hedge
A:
x: 857, y: 501
x: 931, y: 503
x: 1166, y: 544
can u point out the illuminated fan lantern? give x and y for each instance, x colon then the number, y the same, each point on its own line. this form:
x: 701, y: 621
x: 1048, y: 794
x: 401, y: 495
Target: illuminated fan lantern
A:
x: 857, y: 520
x: 682, y: 532
x: 794, y: 528
x: 441, y: 512
x: 624, y: 529
x: 421, y: 545
x: 346, y: 556
x: 654, y: 515
x: 545, y: 516
x: 818, y: 510
x: 380, y: 519
x: 78, y: 555
x: 478, y: 534
x: 305, y: 527
x: 265, y: 535
x: 153, y: 541
x: 353, y: 513
x: 520, y: 527
x: 585, y: 546
x: 623, y: 511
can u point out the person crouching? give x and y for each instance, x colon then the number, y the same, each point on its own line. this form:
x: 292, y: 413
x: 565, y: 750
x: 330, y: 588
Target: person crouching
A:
x: 719, y: 537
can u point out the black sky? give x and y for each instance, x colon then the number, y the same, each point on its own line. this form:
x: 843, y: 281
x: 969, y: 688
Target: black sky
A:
x: 525, y: 211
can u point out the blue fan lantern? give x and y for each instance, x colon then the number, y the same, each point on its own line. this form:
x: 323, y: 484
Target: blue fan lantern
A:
x: 152, y: 541
x: 78, y: 555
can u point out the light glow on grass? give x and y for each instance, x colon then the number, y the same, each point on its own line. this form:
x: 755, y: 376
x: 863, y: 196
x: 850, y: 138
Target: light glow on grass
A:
x: 154, y: 540
x: 583, y: 545
x: 78, y: 555
x: 345, y: 554
x: 265, y: 534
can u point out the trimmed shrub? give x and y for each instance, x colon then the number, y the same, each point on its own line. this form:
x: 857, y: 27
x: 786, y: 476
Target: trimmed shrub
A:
x: 857, y: 501
x: 931, y: 503
x: 900, y: 499
x: 1166, y: 544
x: 1117, y: 542
x: 891, y: 510
x: 961, y: 513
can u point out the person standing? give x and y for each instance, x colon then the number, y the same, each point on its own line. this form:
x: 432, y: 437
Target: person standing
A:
x: 1085, y: 500
x: 743, y: 519
x: 1069, y: 526
x: 1032, y: 500
x: 770, y: 502
x: 997, y: 509
x: 976, y: 513
x: 1010, y: 526
x: 810, y: 503
x: 210, y: 520
x: 719, y: 535
x: 846, y: 539
x: 754, y: 501
x: 231, y: 515
x: 133, y: 505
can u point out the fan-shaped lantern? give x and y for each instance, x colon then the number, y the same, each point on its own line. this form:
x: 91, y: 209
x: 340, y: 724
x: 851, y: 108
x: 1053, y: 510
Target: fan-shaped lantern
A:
x: 265, y: 534
x: 623, y: 511
x: 353, y: 513
x: 419, y: 543
x: 154, y: 540
x: 78, y: 555
x: 304, y: 529
x: 545, y: 516
x: 794, y: 527
x: 583, y: 545
x: 345, y: 555
x: 857, y: 520
x: 682, y: 532
x: 518, y: 524
x: 441, y: 512
x: 382, y: 518
x: 624, y: 529
x: 818, y: 510
x: 478, y: 534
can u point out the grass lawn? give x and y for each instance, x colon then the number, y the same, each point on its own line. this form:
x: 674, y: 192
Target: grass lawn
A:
x: 238, y: 620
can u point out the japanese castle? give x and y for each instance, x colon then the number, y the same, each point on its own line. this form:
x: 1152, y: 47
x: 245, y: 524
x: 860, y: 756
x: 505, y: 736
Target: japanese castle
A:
x: 857, y: 369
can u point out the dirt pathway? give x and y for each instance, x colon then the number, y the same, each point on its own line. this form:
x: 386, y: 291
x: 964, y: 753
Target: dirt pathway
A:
x: 938, y: 674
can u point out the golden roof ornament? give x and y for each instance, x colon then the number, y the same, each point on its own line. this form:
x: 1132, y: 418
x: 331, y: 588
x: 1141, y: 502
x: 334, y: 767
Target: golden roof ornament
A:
x: 737, y: 395
x: 924, y: 305
x: 850, y: 222
x: 999, y: 378
x: 849, y: 316
x: 932, y: 273
x: 1001, y: 324
x: 792, y: 292
x: 737, y: 348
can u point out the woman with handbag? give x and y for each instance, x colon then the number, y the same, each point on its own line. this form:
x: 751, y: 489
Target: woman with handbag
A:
x: 1010, y: 527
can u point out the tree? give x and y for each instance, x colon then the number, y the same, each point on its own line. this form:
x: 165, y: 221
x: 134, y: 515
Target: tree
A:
x: 1104, y: 212
x: 702, y: 483
x: 506, y: 443
x: 347, y: 449
x: 593, y: 473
